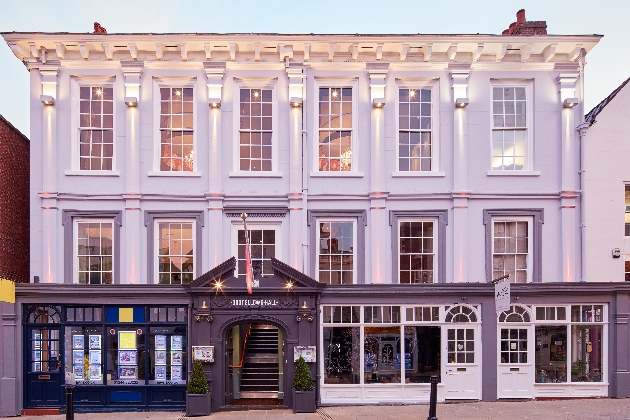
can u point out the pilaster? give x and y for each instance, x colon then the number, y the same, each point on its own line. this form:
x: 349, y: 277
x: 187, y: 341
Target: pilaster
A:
x: 215, y: 236
x: 214, y: 80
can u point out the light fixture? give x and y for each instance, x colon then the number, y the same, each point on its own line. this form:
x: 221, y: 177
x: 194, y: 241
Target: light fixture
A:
x: 461, y: 102
x: 334, y: 94
x: 98, y: 91
x: 131, y: 101
x: 378, y: 102
x: 178, y: 92
x: 47, y: 99
x: 289, y: 285
x: 412, y: 93
x: 296, y: 102
x: 256, y: 94
x: 214, y: 102
x: 570, y: 102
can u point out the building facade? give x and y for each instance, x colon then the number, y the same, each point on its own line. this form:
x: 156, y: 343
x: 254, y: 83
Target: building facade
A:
x: 388, y: 181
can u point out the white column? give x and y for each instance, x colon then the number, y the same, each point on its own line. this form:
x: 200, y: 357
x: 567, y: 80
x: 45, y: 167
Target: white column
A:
x: 459, y: 77
x: 380, y: 233
x: 296, y: 205
x: 132, y: 226
x: 214, y: 80
x: 52, y: 271
x: 569, y: 193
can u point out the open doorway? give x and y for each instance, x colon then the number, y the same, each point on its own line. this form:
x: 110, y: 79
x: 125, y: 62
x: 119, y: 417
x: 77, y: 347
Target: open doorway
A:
x: 255, y: 365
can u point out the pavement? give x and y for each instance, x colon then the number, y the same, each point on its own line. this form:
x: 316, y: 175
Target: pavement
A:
x: 583, y: 409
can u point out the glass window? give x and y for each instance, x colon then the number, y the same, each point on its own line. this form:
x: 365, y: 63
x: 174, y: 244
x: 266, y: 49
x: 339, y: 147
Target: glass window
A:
x: 84, y: 353
x: 627, y: 270
x: 417, y: 246
x: 94, y: 252
x: 342, y: 314
x: 335, y: 129
x: 45, y: 355
x: 176, y: 129
x: 342, y: 347
x: 551, y: 353
x: 509, y: 132
x: 415, y: 143
x: 336, y: 252
x: 255, y: 129
x: 513, y: 345
x: 627, y: 214
x: 510, y: 253
x: 586, y: 353
x: 461, y: 345
x: 176, y: 253
x: 422, y: 354
x: 382, y: 354
x: 125, y: 362
x: 262, y: 247
x: 96, y: 128
x: 167, y: 355
x: 423, y: 313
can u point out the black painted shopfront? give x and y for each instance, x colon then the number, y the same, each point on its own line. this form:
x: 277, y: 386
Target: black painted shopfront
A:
x: 242, y: 330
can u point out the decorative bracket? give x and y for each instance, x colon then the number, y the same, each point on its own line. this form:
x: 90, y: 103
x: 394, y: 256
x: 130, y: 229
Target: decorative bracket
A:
x: 203, y: 317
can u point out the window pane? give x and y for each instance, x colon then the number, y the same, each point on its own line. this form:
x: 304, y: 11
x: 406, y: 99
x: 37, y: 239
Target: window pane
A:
x: 551, y: 354
x: 341, y: 355
x: 382, y: 355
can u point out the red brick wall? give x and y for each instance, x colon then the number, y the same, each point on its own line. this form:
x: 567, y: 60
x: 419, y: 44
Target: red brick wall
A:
x: 14, y: 208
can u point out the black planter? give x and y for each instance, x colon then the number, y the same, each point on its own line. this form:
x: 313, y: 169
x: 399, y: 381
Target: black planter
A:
x: 304, y: 401
x: 198, y: 405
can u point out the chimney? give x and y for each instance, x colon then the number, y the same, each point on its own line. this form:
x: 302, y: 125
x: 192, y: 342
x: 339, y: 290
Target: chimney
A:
x: 524, y: 27
x: 98, y: 29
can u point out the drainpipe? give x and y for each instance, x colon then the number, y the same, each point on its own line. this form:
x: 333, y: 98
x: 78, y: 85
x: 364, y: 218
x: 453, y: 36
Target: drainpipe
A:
x: 305, y: 265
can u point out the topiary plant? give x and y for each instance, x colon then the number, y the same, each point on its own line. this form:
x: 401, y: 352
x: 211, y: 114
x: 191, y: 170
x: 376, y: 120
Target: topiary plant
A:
x: 198, y: 383
x: 302, y: 380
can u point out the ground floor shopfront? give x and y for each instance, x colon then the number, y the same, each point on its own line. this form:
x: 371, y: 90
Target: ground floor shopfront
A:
x: 130, y: 348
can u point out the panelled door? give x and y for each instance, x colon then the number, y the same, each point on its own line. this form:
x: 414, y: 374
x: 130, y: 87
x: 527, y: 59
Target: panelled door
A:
x: 515, y: 368
x: 461, y: 360
x: 43, y: 367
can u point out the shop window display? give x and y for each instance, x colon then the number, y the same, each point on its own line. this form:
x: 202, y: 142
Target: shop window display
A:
x: 342, y: 347
x: 422, y: 354
x: 382, y: 355
x: 84, y: 347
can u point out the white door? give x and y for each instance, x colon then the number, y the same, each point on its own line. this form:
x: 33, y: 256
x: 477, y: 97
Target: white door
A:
x: 515, y: 369
x: 461, y: 361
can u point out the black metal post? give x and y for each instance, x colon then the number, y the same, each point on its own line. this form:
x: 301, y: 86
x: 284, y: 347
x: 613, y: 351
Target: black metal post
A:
x: 433, y: 399
x: 69, y: 402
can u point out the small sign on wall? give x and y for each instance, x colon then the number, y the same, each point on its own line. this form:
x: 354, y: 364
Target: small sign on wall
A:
x: 502, y: 296
x: 203, y: 353
x: 307, y: 352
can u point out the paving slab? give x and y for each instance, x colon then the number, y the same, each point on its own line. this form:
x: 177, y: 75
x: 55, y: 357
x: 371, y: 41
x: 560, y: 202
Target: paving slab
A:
x: 574, y: 409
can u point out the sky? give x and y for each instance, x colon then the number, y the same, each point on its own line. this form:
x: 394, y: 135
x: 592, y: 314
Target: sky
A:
x: 605, y: 69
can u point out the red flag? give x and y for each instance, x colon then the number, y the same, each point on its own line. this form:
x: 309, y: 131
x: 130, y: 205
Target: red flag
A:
x: 249, y: 275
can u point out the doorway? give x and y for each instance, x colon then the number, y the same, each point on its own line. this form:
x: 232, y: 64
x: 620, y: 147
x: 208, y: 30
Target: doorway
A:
x: 43, y: 367
x: 515, y: 369
x: 255, y: 360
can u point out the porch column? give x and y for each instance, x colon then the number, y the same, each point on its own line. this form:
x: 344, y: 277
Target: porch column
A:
x: 620, y: 343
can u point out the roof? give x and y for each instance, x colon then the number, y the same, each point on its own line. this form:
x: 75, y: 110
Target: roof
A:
x: 590, y: 118
x: 109, y: 34
x: 14, y: 129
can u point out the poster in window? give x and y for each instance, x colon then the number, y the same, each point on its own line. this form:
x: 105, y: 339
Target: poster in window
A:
x: 176, y: 357
x: 127, y: 357
x: 77, y: 357
x: 95, y: 357
x: 95, y: 342
x: 203, y: 353
x: 37, y: 367
x: 78, y: 372
x: 127, y: 372
x: 160, y: 372
x: 176, y: 373
x: 176, y: 342
x: 37, y: 356
x: 160, y: 357
x: 37, y: 341
x: 95, y: 372
x: 77, y: 342
x: 160, y: 342
x: 307, y: 353
x: 126, y: 340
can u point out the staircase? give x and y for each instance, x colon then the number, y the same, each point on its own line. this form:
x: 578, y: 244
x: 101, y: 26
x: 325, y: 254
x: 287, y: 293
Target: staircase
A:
x: 260, y: 366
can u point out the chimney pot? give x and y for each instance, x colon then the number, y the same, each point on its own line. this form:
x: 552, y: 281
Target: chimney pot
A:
x: 520, y: 16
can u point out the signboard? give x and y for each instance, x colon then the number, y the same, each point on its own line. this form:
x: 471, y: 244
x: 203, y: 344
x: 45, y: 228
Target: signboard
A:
x: 203, y: 353
x: 253, y: 302
x: 307, y: 353
x: 502, y: 296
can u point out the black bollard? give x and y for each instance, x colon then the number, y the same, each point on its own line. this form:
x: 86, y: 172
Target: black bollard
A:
x: 69, y: 402
x: 433, y: 399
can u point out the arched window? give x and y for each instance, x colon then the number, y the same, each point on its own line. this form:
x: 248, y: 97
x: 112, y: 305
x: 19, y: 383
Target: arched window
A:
x: 516, y: 313
x: 42, y: 314
x: 461, y: 313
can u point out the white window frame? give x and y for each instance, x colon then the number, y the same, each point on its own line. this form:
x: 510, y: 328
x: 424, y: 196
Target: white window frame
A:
x: 434, y: 86
x: 75, y: 245
x: 174, y: 82
x: 256, y: 225
x: 156, y: 245
x: 354, y: 244
x: 244, y: 83
x: 530, y: 241
x: 435, y: 244
x: 75, y: 84
x: 352, y: 83
x: 528, y: 84
x: 626, y: 207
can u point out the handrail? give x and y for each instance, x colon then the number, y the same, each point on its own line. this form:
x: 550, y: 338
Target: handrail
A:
x: 249, y: 329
